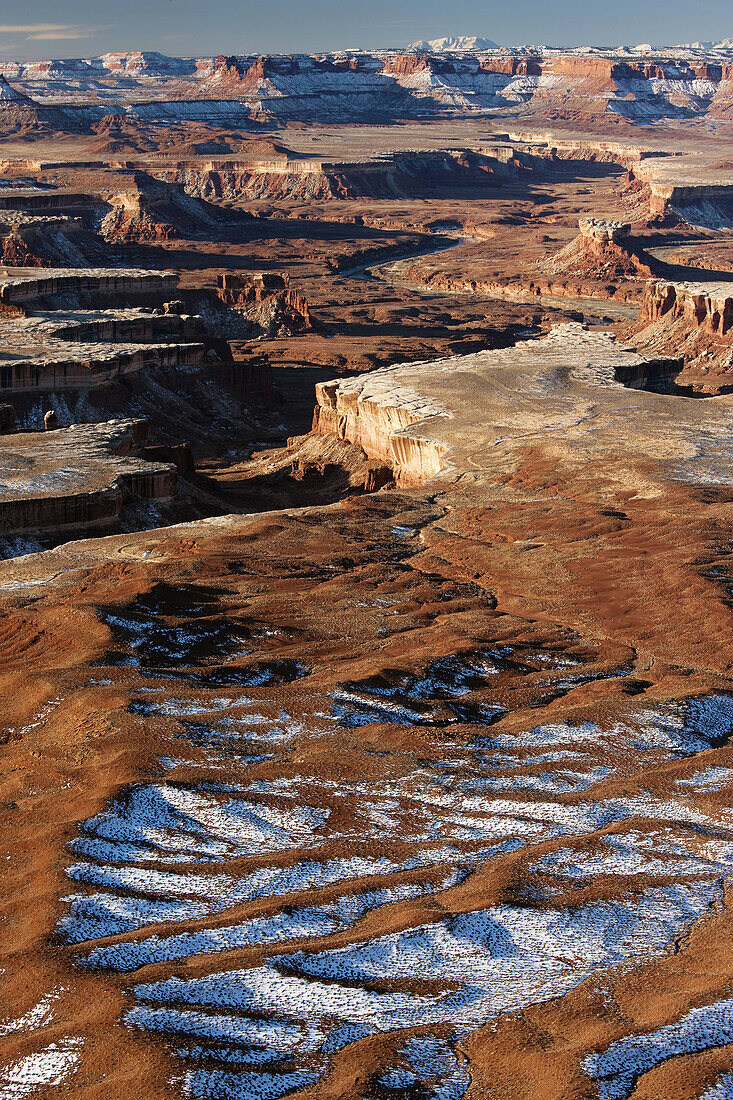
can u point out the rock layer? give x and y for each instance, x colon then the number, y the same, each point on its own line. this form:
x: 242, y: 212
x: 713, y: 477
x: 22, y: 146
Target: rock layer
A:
x: 694, y: 321
x: 77, y: 478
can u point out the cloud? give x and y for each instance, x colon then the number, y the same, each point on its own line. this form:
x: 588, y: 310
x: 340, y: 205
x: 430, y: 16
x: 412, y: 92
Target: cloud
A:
x: 48, y: 32
x: 53, y: 36
x: 33, y: 28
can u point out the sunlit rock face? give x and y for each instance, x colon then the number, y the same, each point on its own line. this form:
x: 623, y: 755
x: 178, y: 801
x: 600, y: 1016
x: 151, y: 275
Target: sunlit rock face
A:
x: 695, y: 321
x: 454, y: 74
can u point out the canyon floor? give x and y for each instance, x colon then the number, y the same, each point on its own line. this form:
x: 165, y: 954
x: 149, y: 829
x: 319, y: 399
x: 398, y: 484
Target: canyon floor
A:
x: 366, y: 698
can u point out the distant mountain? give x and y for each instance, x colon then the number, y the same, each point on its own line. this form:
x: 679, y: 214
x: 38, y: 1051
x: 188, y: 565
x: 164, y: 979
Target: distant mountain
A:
x: 461, y: 44
x: 21, y: 114
x: 10, y: 95
x: 720, y: 44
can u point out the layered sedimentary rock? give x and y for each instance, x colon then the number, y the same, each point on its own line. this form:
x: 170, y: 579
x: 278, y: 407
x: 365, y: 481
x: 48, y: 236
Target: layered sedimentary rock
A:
x: 33, y: 290
x: 693, y: 189
x: 386, y: 176
x: 19, y: 113
x: 87, y: 366
x: 603, y: 250
x: 378, y: 416
x: 77, y: 349
x: 591, y: 284
x: 39, y: 240
x: 267, y: 300
x: 395, y: 795
x: 425, y: 791
x: 604, y: 232
x: 694, y: 321
x: 131, y: 220
x: 73, y: 351
x: 357, y: 85
x: 408, y: 415
x: 78, y: 477
x: 705, y: 306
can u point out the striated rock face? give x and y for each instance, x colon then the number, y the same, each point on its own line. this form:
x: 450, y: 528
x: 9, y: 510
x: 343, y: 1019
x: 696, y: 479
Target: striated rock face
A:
x: 389, y: 176
x: 17, y: 253
x: 31, y: 290
x: 368, y: 86
x: 267, y: 299
x: 78, y: 349
x: 376, y: 412
x: 19, y: 114
x: 692, y: 320
x: 423, y: 81
x: 704, y: 306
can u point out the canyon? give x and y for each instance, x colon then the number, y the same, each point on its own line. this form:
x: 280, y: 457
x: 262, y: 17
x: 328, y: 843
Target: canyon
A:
x: 366, y: 681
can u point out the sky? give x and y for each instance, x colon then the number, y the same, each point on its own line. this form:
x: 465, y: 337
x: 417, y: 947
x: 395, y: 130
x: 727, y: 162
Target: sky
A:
x: 33, y: 29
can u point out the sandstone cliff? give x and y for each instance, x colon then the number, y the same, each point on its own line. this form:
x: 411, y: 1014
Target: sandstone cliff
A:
x: 379, y: 416
x: 694, y: 321
x: 602, y: 250
x: 267, y: 300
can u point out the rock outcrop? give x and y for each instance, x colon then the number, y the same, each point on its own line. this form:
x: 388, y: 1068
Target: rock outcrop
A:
x: 40, y: 240
x: 378, y: 412
x: 420, y: 417
x: 16, y: 252
x: 386, y: 176
x: 603, y: 250
x: 20, y: 114
x: 85, y: 284
x: 267, y: 300
x: 77, y: 478
x: 617, y: 85
x: 131, y: 221
x: 705, y: 306
x: 78, y: 349
x: 694, y: 321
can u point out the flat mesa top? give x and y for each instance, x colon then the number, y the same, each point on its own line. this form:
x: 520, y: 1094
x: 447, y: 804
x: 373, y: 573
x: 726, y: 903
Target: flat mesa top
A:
x: 473, y: 403
x: 67, y: 462
x: 717, y: 291
x: 54, y: 274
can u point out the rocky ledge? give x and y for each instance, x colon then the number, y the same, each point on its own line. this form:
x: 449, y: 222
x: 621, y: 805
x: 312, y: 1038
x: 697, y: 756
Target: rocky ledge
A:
x: 61, y: 346
x: 692, y: 320
x: 379, y: 411
x: 32, y: 288
x: 446, y: 417
x: 707, y: 306
x: 78, y: 477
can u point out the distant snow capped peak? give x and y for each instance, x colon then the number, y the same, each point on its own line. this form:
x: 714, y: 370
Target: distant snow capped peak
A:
x: 720, y: 44
x: 462, y: 43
